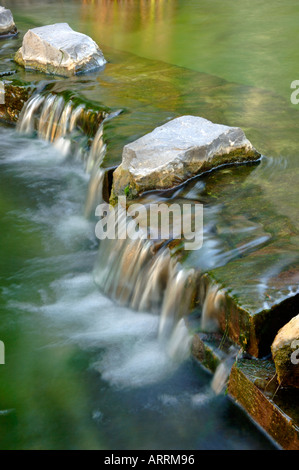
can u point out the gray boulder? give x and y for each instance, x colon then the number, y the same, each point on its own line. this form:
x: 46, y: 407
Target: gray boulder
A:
x: 57, y: 49
x: 177, y: 151
x: 7, y: 24
x: 285, y: 353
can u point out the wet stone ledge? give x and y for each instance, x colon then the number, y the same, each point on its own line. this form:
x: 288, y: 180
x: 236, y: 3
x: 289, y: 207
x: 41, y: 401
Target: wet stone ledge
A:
x: 253, y: 325
x: 253, y: 385
x: 210, y: 350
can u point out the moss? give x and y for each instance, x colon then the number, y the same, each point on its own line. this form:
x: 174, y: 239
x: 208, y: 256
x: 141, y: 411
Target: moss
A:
x: 210, y: 349
x: 253, y: 385
x: 113, y: 198
x: 19, y: 59
x: 211, y: 361
x: 157, y: 180
x: 16, y: 95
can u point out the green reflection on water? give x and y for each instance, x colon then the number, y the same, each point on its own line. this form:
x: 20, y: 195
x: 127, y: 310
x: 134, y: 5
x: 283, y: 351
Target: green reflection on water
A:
x: 249, y: 42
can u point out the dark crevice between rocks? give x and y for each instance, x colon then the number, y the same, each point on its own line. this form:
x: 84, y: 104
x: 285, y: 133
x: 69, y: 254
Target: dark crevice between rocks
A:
x: 10, y: 34
x: 107, y: 186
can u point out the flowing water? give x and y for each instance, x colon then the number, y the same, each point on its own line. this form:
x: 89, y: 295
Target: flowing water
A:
x: 62, y: 122
x: 97, y: 352
x: 81, y: 371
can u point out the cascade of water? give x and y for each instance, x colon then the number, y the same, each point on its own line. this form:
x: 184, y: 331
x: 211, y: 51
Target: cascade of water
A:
x: 97, y: 174
x: 61, y: 122
x: 222, y: 373
x: 56, y: 118
x: 94, y: 190
x: 141, y: 274
x: 177, y: 299
x: 93, y: 166
x: 213, y: 301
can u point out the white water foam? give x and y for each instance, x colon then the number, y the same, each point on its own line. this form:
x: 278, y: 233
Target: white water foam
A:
x: 124, y: 343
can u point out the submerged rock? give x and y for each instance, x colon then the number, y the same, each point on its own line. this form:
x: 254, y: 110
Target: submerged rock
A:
x: 57, y: 49
x: 7, y: 24
x: 177, y: 151
x: 285, y: 352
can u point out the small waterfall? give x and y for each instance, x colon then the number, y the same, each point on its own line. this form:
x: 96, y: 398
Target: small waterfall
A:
x: 94, y: 168
x: 143, y: 275
x: 97, y: 152
x: 140, y: 273
x: 179, y: 343
x: 67, y: 122
x: 222, y: 373
x: 75, y: 130
x: 177, y: 300
x: 94, y: 190
x: 212, y: 305
x: 97, y: 174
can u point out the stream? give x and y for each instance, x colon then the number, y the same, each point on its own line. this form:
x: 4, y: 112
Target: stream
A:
x: 90, y: 363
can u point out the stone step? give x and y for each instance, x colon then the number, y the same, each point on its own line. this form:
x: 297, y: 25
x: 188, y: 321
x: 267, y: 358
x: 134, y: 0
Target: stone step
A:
x: 253, y: 385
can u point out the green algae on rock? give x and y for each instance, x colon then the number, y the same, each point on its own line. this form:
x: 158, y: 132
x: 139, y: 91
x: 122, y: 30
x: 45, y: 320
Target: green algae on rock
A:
x: 16, y: 94
x: 253, y: 385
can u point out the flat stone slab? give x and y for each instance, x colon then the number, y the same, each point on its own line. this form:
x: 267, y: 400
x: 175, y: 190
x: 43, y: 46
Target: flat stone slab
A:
x: 252, y: 313
x: 57, y: 49
x: 177, y: 151
x: 7, y: 24
x: 254, y: 387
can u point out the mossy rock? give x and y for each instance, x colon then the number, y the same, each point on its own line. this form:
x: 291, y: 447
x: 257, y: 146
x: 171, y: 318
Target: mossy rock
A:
x: 285, y: 352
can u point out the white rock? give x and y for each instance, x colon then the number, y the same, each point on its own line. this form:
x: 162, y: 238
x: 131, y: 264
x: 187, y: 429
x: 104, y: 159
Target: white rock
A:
x: 60, y: 50
x: 7, y: 23
x: 178, y: 150
x: 285, y: 353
